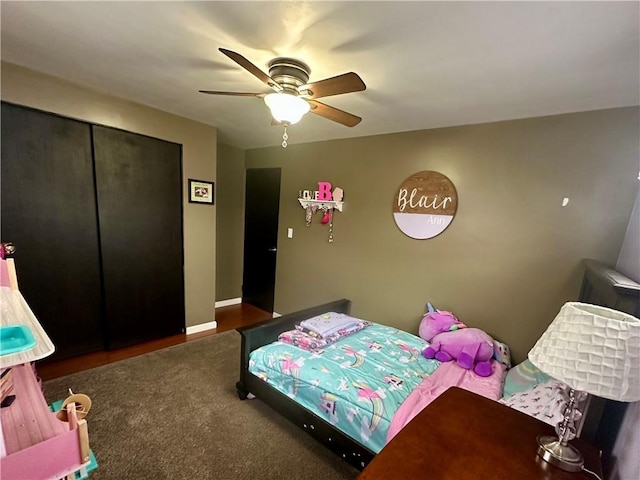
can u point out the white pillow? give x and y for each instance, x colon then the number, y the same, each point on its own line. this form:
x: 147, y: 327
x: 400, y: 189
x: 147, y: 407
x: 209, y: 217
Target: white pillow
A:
x: 545, y: 401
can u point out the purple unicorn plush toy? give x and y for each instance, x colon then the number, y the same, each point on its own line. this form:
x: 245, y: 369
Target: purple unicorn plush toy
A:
x: 450, y: 339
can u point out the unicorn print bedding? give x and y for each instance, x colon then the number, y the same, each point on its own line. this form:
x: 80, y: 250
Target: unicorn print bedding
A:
x: 352, y: 384
x: 356, y: 382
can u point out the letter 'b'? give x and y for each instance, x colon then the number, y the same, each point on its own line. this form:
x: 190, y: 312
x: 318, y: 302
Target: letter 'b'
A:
x: 324, y: 191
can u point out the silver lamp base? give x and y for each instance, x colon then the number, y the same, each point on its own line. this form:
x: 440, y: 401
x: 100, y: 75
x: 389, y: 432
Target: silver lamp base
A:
x: 564, y: 457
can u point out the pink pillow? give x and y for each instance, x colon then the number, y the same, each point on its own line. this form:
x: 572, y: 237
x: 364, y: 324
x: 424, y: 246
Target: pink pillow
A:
x: 302, y: 340
x: 300, y: 336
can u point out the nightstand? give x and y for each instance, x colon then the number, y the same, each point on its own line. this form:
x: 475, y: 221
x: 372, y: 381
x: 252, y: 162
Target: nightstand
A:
x: 462, y: 435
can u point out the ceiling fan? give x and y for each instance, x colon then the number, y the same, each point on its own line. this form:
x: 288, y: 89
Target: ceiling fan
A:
x: 293, y: 95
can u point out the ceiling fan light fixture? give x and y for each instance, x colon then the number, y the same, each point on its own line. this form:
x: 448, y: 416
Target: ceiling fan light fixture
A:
x: 286, y: 108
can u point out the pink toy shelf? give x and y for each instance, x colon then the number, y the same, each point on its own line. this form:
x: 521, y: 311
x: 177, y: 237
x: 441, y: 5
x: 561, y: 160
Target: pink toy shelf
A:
x: 35, y: 443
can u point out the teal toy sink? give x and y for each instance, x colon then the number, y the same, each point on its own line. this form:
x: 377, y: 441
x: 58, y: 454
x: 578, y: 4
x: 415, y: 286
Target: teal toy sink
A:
x: 15, y: 338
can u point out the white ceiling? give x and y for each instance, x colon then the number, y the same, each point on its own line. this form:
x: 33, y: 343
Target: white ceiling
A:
x: 425, y: 64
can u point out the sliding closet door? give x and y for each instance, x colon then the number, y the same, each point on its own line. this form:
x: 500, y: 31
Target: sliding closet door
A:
x: 49, y: 213
x: 139, y: 186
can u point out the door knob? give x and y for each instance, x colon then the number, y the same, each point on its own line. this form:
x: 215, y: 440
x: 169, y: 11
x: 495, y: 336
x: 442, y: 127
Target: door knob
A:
x: 272, y: 249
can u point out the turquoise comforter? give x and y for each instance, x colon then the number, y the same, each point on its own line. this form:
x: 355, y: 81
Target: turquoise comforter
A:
x: 356, y: 384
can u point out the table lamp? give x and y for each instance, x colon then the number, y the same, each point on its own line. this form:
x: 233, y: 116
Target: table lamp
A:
x: 591, y: 349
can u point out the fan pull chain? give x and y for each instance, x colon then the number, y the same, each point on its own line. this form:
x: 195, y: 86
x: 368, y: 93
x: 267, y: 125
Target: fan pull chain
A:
x: 285, y: 137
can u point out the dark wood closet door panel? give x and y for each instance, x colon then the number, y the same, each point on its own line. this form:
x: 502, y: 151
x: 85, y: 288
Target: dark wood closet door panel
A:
x: 49, y: 213
x: 139, y: 185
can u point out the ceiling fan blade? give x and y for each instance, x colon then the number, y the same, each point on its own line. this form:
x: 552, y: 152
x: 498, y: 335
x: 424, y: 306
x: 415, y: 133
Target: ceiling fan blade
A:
x: 235, y: 94
x: 345, y: 83
x: 334, y: 114
x: 251, y: 68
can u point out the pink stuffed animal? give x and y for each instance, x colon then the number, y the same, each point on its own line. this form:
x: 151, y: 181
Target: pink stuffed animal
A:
x: 449, y: 339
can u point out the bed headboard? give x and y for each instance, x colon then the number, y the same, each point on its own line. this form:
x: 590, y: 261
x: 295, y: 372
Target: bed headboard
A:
x: 604, y: 286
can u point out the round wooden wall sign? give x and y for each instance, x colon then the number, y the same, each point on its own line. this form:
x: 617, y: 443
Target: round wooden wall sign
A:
x: 425, y: 204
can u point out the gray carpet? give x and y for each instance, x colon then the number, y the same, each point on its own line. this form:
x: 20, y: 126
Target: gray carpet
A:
x: 174, y: 413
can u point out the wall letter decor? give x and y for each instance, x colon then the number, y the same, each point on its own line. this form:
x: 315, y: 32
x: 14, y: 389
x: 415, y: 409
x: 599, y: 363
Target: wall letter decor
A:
x: 322, y: 200
x: 324, y: 191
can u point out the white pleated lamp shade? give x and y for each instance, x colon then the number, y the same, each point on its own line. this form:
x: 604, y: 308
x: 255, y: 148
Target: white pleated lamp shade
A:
x: 592, y: 349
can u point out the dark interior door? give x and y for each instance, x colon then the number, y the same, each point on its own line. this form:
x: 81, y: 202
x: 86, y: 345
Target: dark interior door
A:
x: 49, y: 213
x: 262, y: 204
x: 139, y: 187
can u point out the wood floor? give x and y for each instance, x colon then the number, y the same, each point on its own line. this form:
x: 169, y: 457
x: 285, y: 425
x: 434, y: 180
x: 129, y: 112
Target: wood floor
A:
x: 228, y: 318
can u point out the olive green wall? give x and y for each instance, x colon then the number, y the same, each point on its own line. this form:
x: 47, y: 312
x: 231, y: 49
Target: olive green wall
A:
x: 629, y: 259
x: 230, y: 222
x: 26, y: 87
x: 512, y: 255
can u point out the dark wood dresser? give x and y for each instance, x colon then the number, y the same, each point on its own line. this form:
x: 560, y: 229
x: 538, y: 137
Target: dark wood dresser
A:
x: 461, y: 435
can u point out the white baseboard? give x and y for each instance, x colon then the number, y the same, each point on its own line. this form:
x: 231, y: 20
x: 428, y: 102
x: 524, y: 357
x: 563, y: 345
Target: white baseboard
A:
x: 237, y: 301
x: 202, y: 327
x: 226, y: 303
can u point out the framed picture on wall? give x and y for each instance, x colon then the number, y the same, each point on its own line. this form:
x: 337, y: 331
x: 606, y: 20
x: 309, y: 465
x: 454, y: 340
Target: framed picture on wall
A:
x: 200, y: 191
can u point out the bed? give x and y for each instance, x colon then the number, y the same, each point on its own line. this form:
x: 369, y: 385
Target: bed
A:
x: 525, y: 388
x: 355, y: 394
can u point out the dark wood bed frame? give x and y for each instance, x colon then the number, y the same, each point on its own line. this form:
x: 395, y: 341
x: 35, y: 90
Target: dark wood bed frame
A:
x: 266, y: 332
